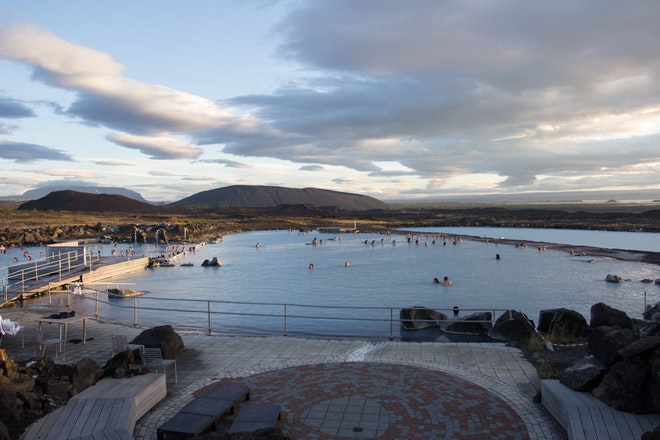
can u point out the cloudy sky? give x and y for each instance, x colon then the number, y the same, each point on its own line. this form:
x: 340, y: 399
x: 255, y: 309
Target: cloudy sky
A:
x: 393, y: 99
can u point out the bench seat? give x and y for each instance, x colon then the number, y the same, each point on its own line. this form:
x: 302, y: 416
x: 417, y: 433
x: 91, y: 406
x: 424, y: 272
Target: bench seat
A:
x: 585, y: 417
x: 203, y: 412
x: 255, y: 416
x: 105, y: 411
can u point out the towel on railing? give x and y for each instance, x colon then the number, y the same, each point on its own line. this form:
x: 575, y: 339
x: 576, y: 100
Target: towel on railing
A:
x: 9, y: 327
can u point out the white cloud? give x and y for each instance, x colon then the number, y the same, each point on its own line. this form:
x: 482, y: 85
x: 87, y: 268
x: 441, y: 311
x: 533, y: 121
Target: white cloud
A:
x: 156, y: 147
x: 450, y: 96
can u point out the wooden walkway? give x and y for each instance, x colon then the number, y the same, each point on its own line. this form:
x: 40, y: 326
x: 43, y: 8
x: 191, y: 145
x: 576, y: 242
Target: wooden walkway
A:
x: 585, y: 417
x: 105, y: 411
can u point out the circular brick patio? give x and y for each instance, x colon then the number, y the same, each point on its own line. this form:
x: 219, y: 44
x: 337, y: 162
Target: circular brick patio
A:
x: 385, y: 401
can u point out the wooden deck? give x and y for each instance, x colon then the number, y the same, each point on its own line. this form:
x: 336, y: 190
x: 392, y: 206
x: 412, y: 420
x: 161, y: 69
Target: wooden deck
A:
x: 105, y: 268
x: 105, y: 411
x: 585, y: 417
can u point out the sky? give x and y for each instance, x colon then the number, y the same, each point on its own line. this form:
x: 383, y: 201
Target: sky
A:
x: 399, y: 100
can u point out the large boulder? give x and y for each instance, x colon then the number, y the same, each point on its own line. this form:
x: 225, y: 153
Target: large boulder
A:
x: 652, y: 313
x: 564, y: 322
x: 640, y: 346
x: 605, y: 343
x: 643, y: 328
x: 120, y: 365
x: 583, y: 375
x: 479, y: 323
x: 417, y: 318
x: 86, y: 372
x: 9, y: 414
x: 163, y: 337
x: 611, y: 278
x: 512, y: 325
x: 212, y: 262
x: 622, y: 386
x: 602, y: 314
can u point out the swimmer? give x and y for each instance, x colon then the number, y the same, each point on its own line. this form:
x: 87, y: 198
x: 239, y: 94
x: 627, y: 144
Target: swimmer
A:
x: 311, y: 266
x: 446, y: 282
x: 436, y: 281
x: 497, y: 256
x: 347, y: 264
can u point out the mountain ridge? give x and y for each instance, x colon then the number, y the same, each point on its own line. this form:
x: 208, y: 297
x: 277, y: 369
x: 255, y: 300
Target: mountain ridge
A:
x: 263, y: 196
x: 236, y: 196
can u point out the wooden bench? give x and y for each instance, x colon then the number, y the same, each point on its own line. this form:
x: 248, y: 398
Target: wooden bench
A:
x: 585, y: 417
x: 107, y: 410
x: 204, y: 411
x: 253, y: 417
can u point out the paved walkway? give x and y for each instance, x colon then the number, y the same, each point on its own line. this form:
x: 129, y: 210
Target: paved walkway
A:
x: 341, y: 388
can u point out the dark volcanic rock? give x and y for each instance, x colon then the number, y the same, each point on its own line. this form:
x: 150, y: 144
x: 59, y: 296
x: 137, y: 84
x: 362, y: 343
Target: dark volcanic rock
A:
x: 417, y: 318
x: 512, y: 325
x: 640, y: 346
x: 605, y: 343
x: 652, y: 313
x: 163, y: 337
x: 602, y: 314
x: 623, y: 385
x: 86, y: 372
x: 474, y: 324
x: 563, y: 322
x: 583, y: 375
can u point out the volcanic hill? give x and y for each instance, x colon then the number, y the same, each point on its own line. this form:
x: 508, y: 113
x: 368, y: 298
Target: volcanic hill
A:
x: 249, y: 196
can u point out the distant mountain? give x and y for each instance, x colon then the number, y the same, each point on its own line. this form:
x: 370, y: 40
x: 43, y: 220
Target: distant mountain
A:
x: 85, y: 202
x: 38, y: 193
x: 249, y: 196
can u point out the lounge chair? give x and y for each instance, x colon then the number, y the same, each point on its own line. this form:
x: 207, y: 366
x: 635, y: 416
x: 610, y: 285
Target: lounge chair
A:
x: 120, y: 343
x: 152, y: 358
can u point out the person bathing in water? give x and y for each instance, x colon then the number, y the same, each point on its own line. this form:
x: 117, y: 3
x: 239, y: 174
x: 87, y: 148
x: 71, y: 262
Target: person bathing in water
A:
x: 446, y: 282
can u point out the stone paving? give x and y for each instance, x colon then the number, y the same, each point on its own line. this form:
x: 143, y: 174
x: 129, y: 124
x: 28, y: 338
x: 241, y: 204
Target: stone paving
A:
x: 341, y: 388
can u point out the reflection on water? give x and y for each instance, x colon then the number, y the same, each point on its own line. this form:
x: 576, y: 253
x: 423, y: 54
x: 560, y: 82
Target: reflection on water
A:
x: 385, y: 274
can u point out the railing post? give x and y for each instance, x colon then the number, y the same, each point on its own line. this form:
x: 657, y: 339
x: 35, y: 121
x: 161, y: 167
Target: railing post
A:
x: 208, y: 315
x: 50, y: 298
x: 36, y: 271
x: 391, y: 324
x: 97, y: 304
x: 135, y: 322
x: 285, y: 324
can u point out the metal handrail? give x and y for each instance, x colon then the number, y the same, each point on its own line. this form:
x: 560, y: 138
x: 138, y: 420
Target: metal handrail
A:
x: 284, y: 314
x: 20, y: 274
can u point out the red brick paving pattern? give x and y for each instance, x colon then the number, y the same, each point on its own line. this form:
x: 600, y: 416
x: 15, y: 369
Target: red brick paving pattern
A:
x: 413, y: 402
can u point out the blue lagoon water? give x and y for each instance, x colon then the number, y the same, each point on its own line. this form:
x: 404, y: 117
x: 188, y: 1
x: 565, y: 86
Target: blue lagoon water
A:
x: 383, y: 277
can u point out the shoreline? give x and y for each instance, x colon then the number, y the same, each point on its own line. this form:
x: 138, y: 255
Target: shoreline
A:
x: 580, y: 250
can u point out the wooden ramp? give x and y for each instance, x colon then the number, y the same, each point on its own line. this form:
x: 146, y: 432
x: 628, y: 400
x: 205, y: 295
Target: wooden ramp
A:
x: 105, y: 411
x: 585, y: 417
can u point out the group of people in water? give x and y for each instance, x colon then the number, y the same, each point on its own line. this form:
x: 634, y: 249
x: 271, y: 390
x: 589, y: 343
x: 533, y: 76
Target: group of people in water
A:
x: 445, y: 281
